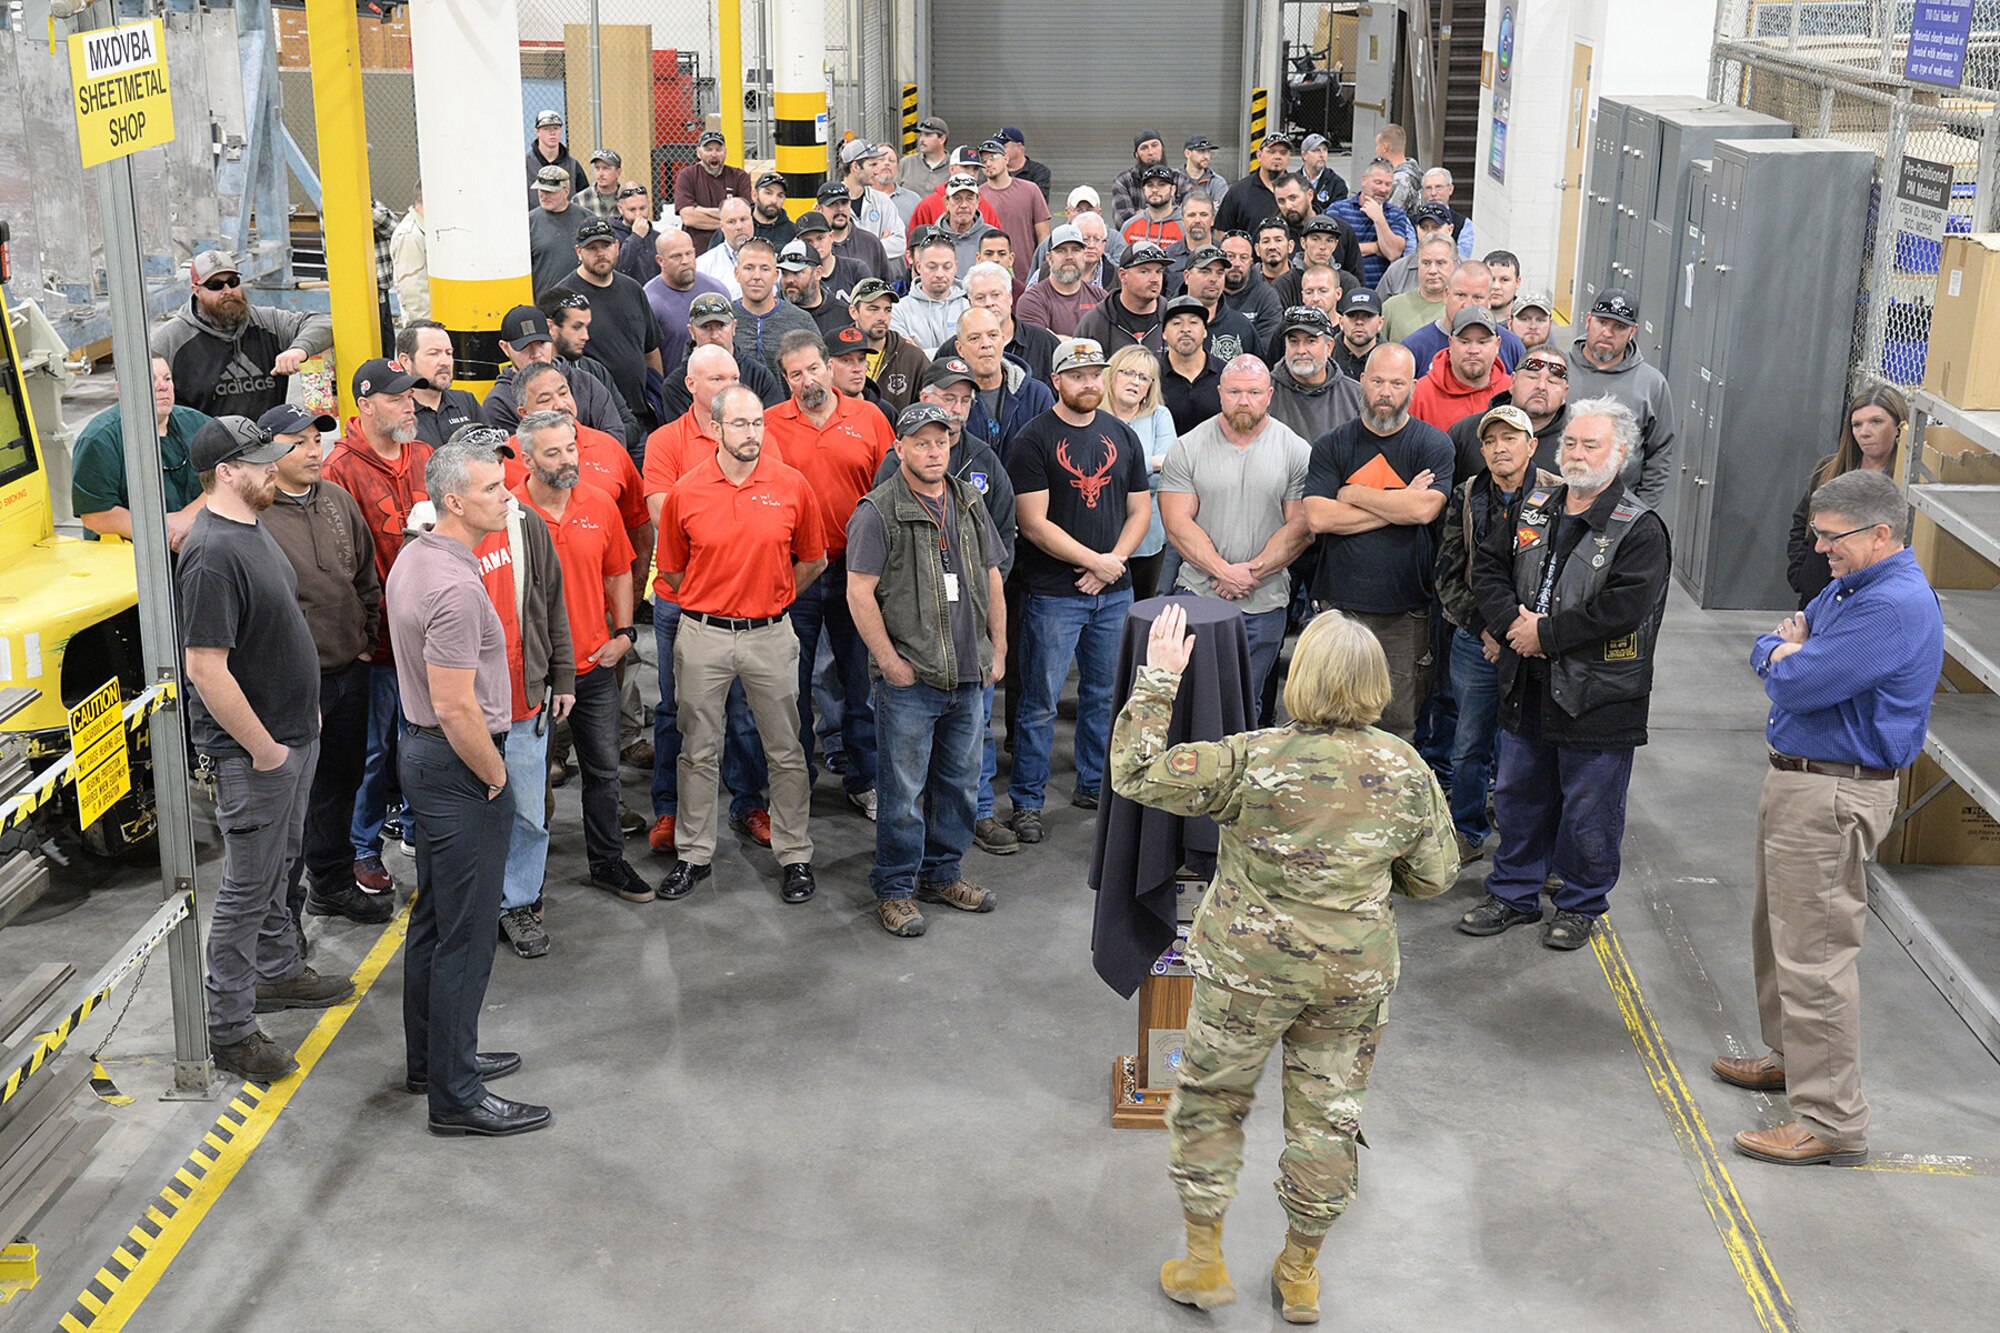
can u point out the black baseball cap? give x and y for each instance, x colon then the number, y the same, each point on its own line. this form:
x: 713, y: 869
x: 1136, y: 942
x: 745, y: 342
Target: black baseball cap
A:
x: 1616, y: 304
x: 830, y: 191
x: 919, y: 415
x: 843, y: 337
x: 524, y: 326
x: 597, y: 229
x: 1159, y: 171
x: 1435, y: 214
x: 1208, y: 254
x: 948, y: 370
x: 1279, y: 137
x: 1320, y: 223
x: 1183, y: 305
x: 290, y: 419
x: 811, y: 221
x: 1143, y: 252
x: 1360, y: 301
x: 770, y: 178
x: 1306, y: 319
x: 233, y: 439
x: 384, y: 376
x: 1199, y: 143
x: 710, y: 308
x: 709, y: 137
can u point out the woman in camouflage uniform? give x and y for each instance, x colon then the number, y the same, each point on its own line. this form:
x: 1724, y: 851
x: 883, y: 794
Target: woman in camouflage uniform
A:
x: 1295, y: 941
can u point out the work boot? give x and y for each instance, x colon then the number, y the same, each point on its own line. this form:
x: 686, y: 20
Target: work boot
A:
x: 639, y: 755
x: 1028, y: 825
x: 995, y: 838
x: 899, y: 916
x: 1296, y: 1277
x: 256, y: 1058
x: 962, y: 894
x: 1200, y: 1279
x: 522, y: 931
x: 307, y: 990
x: 630, y: 822
x: 349, y: 901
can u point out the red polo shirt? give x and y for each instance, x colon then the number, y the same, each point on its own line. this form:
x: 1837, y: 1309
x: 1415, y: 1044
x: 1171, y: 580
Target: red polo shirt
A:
x: 734, y: 546
x: 671, y: 451
x: 603, y: 463
x: 590, y: 542
x: 839, y: 460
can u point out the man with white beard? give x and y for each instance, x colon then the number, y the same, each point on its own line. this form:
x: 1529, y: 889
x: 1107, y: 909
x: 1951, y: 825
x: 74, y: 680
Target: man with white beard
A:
x: 1575, y: 590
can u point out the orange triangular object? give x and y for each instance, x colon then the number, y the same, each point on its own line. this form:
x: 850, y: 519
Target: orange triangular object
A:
x: 1377, y: 472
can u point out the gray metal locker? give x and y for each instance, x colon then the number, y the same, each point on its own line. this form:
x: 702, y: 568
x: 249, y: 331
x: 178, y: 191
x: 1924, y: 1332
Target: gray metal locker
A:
x: 1765, y: 370
x: 1684, y: 136
x: 1618, y: 194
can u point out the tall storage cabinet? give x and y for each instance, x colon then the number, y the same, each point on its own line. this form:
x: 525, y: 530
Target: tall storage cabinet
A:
x: 1618, y: 198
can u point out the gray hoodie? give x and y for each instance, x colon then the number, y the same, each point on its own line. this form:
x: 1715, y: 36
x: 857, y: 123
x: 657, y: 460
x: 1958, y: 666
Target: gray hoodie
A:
x: 1313, y: 410
x: 928, y: 320
x: 1643, y: 389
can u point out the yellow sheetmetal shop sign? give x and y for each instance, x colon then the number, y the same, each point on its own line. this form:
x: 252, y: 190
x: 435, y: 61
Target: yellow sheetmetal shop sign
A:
x: 122, y: 101
x: 103, y: 761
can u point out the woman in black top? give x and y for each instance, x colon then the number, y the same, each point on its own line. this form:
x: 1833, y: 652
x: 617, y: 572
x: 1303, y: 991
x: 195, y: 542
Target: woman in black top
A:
x: 1869, y: 438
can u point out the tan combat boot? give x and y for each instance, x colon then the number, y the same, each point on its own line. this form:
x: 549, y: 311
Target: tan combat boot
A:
x: 1200, y: 1279
x: 1297, y: 1278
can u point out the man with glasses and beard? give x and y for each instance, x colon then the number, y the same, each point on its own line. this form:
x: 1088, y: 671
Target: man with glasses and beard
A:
x: 1376, y: 485
x: 228, y: 356
x: 1540, y: 389
x: 1574, y: 592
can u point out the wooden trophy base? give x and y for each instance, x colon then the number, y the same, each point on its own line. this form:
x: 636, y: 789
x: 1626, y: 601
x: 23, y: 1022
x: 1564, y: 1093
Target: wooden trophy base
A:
x: 1134, y: 1107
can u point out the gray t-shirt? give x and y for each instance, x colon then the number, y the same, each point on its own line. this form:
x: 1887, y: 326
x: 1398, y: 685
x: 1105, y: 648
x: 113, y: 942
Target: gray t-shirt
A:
x: 868, y: 547
x: 1240, y: 495
x: 439, y: 614
x: 237, y: 591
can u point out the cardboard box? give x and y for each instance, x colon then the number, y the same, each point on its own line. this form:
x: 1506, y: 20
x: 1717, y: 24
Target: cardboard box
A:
x: 1952, y: 829
x: 1947, y: 561
x: 1963, y: 363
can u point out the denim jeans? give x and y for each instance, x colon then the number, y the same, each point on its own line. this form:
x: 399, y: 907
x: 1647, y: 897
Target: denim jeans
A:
x: 593, y: 729
x: 828, y: 709
x: 822, y: 608
x: 989, y: 760
x: 1057, y: 630
x: 1476, y: 683
x: 743, y: 768
x: 924, y: 793
x: 1559, y: 809
x: 378, y: 773
x: 1267, y: 635
x: 527, y: 756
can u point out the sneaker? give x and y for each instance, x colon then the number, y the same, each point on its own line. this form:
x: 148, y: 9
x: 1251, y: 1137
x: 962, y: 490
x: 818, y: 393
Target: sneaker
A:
x: 992, y: 836
x: 520, y: 930
x: 392, y: 824
x: 256, y: 1058
x: 371, y: 875
x: 307, y: 990
x: 1084, y: 800
x: 836, y: 762
x: 1495, y: 915
x: 639, y: 755
x: 1470, y: 851
x: 756, y: 826
x: 620, y: 878
x: 900, y: 917
x: 630, y: 822
x: 349, y: 901
x: 864, y: 801
x: 661, y: 836
x: 1028, y: 825
x: 962, y: 894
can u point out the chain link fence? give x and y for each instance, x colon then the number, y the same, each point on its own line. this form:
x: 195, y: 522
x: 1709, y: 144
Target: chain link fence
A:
x: 1838, y: 69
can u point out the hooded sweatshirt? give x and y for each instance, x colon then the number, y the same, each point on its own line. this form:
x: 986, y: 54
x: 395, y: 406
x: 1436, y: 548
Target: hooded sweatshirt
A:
x: 1643, y: 389
x: 1443, y: 399
x: 1311, y: 410
x: 333, y: 554
x: 385, y: 491
x: 228, y: 371
x: 928, y: 320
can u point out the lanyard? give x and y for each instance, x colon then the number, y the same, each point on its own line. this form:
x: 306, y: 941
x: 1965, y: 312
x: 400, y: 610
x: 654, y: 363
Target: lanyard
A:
x: 942, y: 516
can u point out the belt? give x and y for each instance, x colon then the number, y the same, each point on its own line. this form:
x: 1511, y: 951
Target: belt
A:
x: 1829, y: 769
x: 735, y: 623
x: 437, y: 734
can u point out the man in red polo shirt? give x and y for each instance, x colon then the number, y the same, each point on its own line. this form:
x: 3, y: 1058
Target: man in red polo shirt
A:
x: 739, y: 540
x: 596, y: 560
x: 837, y: 443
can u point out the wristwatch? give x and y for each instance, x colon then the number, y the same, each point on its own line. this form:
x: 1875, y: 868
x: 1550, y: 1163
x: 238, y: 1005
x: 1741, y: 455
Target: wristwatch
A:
x: 493, y: 789
x: 629, y: 632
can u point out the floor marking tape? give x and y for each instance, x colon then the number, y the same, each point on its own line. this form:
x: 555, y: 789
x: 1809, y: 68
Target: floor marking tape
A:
x: 112, y: 1297
x: 1725, y: 1206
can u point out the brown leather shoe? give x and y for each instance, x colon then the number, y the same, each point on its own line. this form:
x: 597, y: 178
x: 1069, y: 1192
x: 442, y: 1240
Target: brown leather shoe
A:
x: 756, y: 825
x: 1759, y: 1074
x: 1792, y: 1144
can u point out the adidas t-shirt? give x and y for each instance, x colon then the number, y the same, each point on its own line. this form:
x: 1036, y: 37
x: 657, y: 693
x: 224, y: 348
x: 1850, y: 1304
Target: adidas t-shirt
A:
x: 1389, y: 569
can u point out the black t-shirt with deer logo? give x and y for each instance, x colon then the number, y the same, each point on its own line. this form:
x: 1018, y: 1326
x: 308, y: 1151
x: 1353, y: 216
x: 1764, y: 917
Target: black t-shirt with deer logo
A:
x: 1088, y: 472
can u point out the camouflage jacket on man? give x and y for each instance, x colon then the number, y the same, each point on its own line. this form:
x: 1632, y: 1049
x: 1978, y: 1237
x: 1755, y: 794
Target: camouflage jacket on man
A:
x: 1317, y: 828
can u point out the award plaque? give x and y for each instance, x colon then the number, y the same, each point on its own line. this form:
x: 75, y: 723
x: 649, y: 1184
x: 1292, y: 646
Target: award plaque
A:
x: 1142, y: 1082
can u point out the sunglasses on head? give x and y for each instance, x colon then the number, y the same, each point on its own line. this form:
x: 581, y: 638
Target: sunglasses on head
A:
x: 223, y: 284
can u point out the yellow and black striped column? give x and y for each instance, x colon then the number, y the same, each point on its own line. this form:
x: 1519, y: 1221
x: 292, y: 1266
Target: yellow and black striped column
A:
x: 1260, y: 104
x: 909, y: 119
x: 798, y: 72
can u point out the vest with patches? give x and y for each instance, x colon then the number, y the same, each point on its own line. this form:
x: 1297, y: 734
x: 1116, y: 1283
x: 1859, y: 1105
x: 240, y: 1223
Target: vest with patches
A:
x: 1595, y: 674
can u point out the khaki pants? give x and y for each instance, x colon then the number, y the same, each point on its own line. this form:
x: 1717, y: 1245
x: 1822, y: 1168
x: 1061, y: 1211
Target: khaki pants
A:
x: 1814, y: 834
x: 1406, y: 641
x: 766, y: 660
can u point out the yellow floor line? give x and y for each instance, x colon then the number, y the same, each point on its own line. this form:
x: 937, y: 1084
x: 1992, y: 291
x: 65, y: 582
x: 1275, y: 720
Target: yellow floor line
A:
x: 1725, y: 1206
x: 113, y: 1296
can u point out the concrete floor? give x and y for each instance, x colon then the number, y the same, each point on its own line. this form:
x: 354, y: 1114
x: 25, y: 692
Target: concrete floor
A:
x: 773, y: 1117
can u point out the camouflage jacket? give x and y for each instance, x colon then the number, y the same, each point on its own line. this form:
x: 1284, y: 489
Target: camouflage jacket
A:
x: 1317, y: 828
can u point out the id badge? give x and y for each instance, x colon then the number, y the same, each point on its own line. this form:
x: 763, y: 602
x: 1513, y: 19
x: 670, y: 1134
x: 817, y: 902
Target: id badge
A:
x: 951, y: 587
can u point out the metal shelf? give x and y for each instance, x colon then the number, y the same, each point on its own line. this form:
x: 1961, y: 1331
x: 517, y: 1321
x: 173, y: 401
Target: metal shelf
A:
x: 1965, y: 740
x: 1943, y: 916
x: 1972, y: 632
x: 1982, y: 428
x: 1969, y: 513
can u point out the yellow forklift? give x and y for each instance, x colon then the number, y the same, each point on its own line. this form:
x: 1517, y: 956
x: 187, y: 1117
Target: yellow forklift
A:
x: 68, y: 623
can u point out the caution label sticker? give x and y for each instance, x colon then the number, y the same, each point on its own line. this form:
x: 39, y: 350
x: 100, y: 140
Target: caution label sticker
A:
x: 122, y: 100
x: 103, y: 760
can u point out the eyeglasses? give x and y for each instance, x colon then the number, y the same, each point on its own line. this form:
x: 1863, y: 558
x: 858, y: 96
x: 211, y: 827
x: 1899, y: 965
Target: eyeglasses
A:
x: 1831, y: 537
x: 1132, y: 373
x: 1553, y: 369
x: 229, y: 283
x: 745, y: 423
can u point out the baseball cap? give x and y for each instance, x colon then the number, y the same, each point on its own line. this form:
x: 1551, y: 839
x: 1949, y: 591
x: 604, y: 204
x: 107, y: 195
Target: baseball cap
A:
x: 1067, y: 234
x: 1143, y: 252
x: 1474, y: 316
x: 1159, y: 171
x: 948, y: 370
x: 630, y: 189
x: 1079, y: 353
x: 992, y: 145
x: 710, y: 308
x: 1306, y: 319
x: 597, y: 229
x: 810, y: 222
x: 1083, y: 194
x: 869, y: 289
x: 709, y: 137
x: 290, y: 419
x: 1615, y: 303
x: 1183, y: 305
x: 547, y: 118
x: 831, y: 192
x: 1435, y: 214
x: 1208, y: 254
x: 1541, y: 301
x: 966, y: 158
x: 524, y: 326
x: 1010, y: 134
x: 209, y: 263
x: 552, y: 178
x: 384, y: 376
x: 1280, y: 137
x: 1144, y: 136
x: 919, y: 415
x: 1361, y: 301
x: 1508, y: 413
x: 1318, y: 224
x: 1200, y: 143
x: 843, y: 336
x: 770, y: 178
x: 861, y: 150
x: 794, y: 259
x: 233, y: 440
x: 933, y: 125
x: 607, y: 155
x: 960, y: 183
x: 1313, y: 141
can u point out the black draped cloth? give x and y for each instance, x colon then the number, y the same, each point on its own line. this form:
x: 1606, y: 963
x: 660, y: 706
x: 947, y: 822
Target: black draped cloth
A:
x: 1139, y: 851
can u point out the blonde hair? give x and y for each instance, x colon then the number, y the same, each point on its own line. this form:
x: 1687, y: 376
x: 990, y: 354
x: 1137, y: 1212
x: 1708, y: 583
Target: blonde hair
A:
x: 1339, y: 676
x: 1138, y: 356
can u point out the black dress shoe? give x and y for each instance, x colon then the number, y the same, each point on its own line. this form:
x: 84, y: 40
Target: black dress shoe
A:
x: 799, y: 883
x: 680, y: 881
x: 491, y: 1065
x: 493, y: 1117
